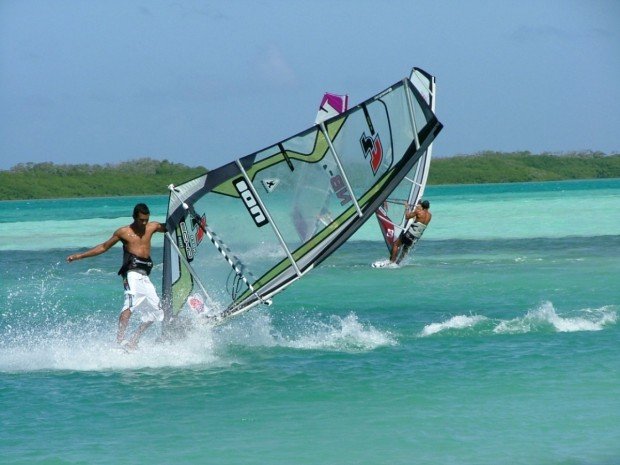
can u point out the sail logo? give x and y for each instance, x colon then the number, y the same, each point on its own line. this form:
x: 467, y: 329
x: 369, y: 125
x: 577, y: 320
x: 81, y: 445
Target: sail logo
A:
x: 250, y: 202
x: 373, y: 149
x: 270, y: 184
x: 340, y: 188
x: 185, y: 239
x: 199, y: 228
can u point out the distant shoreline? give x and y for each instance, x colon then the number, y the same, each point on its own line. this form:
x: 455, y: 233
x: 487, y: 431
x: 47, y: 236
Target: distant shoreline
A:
x: 144, y: 176
x: 501, y: 167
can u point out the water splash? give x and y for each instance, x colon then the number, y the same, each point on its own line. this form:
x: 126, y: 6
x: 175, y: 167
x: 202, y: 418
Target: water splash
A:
x: 44, y: 327
x: 456, y: 322
x: 35, y: 301
x: 544, y: 318
x: 98, y: 271
x: 100, y: 354
x: 334, y: 333
x: 339, y: 333
x: 88, y: 344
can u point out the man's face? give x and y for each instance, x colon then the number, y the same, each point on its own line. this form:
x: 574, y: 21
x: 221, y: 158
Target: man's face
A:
x: 141, y: 220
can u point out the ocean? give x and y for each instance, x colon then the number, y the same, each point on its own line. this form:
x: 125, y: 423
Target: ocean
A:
x: 498, y: 342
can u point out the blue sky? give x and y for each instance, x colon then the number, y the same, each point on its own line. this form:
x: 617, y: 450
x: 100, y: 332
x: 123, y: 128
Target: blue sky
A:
x: 204, y: 82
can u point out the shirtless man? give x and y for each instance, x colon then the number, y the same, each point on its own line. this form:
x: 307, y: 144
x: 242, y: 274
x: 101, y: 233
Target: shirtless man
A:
x: 417, y: 221
x: 140, y: 294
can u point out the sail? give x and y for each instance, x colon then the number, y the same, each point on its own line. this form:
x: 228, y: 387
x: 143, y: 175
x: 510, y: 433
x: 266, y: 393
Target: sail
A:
x: 237, y: 235
x: 391, y: 214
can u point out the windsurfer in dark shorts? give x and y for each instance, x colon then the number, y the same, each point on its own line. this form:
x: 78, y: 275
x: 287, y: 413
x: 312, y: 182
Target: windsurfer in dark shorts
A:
x: 140, y: 294
x: 417, y: 221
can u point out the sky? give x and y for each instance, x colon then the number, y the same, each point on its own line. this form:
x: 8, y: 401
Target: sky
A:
x: 205, y: 82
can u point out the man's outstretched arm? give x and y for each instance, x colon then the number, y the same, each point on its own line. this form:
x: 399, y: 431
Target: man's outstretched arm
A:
x: 97, y: 250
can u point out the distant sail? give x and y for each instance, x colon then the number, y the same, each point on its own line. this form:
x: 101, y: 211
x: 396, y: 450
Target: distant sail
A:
x: 391, y: 214
x: 237, y: 235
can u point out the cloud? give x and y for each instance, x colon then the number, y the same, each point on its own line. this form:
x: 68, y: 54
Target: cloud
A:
x: 273, y: 68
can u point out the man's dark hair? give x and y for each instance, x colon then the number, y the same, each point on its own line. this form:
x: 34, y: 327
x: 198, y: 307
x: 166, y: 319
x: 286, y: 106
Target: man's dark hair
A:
x: 140, y: 208
x: 425, y: 205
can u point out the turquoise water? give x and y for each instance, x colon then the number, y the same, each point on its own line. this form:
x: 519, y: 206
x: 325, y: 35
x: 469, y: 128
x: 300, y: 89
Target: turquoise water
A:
x: 497, y: 343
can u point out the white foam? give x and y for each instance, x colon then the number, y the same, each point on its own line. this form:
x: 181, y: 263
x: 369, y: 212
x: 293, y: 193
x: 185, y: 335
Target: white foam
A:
x: 543, y: 318
x: 89, y: 345
x: 99, y: 352
x: 346, y: 333
x: 305, y: 332
x: 97, y: 271
x: 456, y: 322
x: 546, y: 316
x: 385, y: 263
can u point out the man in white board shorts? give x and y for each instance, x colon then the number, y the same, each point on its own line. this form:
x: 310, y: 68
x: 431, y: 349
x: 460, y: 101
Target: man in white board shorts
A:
x: 417, y: 221
x: 140, y: 294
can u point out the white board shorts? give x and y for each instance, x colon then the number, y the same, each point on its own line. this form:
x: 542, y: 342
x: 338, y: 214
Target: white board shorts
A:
x: 141, y: 297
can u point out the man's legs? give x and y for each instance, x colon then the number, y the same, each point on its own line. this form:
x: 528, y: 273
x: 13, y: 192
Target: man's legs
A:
x: 123, y: 321
x: 136, y: 336
x: 395, y: 248
x: 143, y: 299
x: 404, y: 253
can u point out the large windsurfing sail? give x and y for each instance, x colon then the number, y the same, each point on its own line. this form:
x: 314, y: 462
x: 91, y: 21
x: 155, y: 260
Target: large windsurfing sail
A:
x: 391, y: 214
x: 241, y: 233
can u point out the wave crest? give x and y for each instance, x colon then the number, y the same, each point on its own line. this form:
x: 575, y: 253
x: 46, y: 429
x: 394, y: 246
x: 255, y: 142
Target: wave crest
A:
x: 456, y: 322
x: 544, y: 318
x: 307, y: 333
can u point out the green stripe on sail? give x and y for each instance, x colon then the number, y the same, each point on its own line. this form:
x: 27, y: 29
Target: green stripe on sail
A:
x: 321, y: 147
x: 182, y: 287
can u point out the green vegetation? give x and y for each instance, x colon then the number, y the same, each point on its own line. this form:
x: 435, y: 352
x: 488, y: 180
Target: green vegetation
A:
x: 498, y: 167
x: 150, y: 177
x: 138, y: 177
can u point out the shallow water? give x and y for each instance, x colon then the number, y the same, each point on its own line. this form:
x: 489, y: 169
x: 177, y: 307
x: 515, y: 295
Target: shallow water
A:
x: 497, y: 343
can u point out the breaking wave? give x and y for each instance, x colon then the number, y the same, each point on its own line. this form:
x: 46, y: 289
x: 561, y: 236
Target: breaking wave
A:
x: 456, y: 322
x: 335, y: 333
x: 544, y: 318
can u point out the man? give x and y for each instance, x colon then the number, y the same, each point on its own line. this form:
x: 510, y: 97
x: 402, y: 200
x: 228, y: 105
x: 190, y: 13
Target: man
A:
x: 417, y: 221
x: 140, y: 294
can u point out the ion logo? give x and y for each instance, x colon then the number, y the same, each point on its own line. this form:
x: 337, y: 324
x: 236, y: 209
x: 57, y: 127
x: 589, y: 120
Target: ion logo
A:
x: 183, y: 239
x: 250, y: 202
x: 371, y: 146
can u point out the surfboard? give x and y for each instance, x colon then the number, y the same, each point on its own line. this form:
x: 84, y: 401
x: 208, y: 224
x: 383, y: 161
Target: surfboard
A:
x: 384, y: 264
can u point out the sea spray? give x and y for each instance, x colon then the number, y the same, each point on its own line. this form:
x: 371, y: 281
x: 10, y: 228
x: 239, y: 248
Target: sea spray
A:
x: 544, y: 318
x: 306, y: 332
